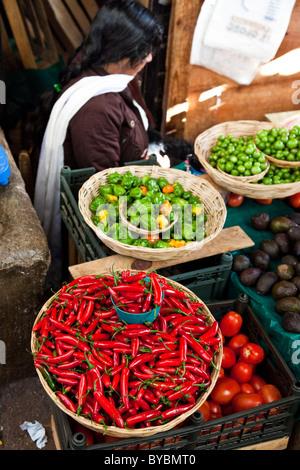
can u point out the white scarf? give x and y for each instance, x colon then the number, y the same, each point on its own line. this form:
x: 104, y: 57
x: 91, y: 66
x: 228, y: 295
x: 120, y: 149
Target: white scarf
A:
x: 47, y: 190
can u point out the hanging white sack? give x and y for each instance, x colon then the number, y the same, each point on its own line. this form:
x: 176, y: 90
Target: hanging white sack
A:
x: 254, y: 28
x: 237, y: 67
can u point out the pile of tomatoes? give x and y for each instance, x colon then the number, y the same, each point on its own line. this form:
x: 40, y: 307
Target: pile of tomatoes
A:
x: 238, y: 387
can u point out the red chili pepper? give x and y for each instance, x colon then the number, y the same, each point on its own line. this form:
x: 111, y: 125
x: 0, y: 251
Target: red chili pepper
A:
x: 61, y: 358
x: 87, y: 312
x: 64, y: 373
x: 141, y: 359
x: 144, y: 416
x: 179, y: 305
x: 63, y: 327
x: 67, y: 402
x: 134, y: 277
x: 177, y: 410
x: 102, y: 357
x: 197, y: 347
x: 157, y: 289
x: 171, y: 292
x: 183, y: 349
x: 82, y: 390
x: 213, y: 330
x: 69, y: 365
x: 81, y: 309
x: 110, y: 409
x: 74, y: 342
x: 124, y: 386
x: 147, y: 303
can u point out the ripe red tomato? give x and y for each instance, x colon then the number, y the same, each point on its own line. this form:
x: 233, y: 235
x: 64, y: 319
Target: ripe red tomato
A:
x: 227, y: 409
x: 205, y: 410
x: 264, y: 201
x: 245, y: 401
x: 231, y: 323
x: 247, y: 388
x: 235, y: 200
x: 269, y: 393
x: 257, y: 382
x: 252, y: 353
x: 237, y: 341
x: 224, y: 391
x: 294, y: 200
x: 215, y: 409
x: 228, y: 358
x: 241, y: 372
x: 221, y: 373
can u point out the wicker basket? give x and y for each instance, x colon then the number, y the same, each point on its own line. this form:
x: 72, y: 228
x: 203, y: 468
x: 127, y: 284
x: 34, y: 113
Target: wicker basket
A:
x: 126, y: 433
x: 213, y: 203
x: 204, y: 143
x: 282, y: 163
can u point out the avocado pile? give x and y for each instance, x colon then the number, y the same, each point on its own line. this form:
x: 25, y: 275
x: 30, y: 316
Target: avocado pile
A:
x: 282, y: 251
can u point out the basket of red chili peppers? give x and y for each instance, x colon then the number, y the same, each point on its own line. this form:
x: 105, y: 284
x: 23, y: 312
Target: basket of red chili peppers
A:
x: 121, y: 378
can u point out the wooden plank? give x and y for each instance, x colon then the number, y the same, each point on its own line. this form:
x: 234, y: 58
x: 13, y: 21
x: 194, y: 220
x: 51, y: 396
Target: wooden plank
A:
x: 91, y: 7
x: 63, y: 24
x: 276, y: 444
x: 20, y: 34
x: 79, y: 15
x: 230, y: 239
x: 44, y: 24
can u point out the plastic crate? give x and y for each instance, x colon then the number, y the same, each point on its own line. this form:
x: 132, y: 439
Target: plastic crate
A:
x: 207, y: 277
x: 261, y: 424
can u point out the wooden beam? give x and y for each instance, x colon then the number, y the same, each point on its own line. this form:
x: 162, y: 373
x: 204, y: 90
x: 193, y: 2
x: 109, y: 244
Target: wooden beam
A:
x: 15, y: 19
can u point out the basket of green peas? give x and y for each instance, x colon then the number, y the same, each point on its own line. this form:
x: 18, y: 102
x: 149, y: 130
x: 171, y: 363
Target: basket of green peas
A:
x: 280, y: 145
x: 234, y: 155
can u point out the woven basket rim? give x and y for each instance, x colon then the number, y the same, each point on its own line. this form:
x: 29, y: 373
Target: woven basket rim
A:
x: 252, y: 190
x: 153, y: 254
x: 126, y: 433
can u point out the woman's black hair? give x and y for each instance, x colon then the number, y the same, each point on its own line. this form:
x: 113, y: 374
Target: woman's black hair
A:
x: 121, y: 29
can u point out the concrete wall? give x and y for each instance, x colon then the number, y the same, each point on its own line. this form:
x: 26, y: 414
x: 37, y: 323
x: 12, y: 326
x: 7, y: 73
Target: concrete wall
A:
x: 24, y: 262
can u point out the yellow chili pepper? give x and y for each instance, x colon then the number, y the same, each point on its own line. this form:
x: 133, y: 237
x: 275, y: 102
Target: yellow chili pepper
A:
x: 166, y: 208
x: 161, y: 221
x: 197, y: 209
x: 111, y: 198
x: 103, y: 217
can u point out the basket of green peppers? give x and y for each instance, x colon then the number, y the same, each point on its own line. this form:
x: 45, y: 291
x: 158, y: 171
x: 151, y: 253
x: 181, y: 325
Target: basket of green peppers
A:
x: 235, y: 148
x: 150, y: 212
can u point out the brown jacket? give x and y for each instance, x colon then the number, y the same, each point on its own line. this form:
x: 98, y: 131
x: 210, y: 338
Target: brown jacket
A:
x: 107, y: 131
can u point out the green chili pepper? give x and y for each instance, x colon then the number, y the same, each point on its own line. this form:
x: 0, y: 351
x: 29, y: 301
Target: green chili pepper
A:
x: 96, y: 202
x: 114, y: 178
x: 178, y: 189
x: 136, y: 193
x: 188, y: 232
x: 161, y: 244
x: 194, y: 200
x: 147, y: 222
x: 186, y: 195
x: 146, y: 204
x: 158, y: 198
x: 135, y: 220
x: 179, y: 202
x: 152, y: 185
x: 162, y: 182
x: 137, y: 181
x: 127, y: 180
x: 106, y: 189
x: 113, y: 231
x: 118, y: 190
x: 142, y: 242
x: 145, y: 179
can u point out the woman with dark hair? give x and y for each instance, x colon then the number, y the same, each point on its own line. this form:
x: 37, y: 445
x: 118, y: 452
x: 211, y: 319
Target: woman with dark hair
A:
x: 99, y: 117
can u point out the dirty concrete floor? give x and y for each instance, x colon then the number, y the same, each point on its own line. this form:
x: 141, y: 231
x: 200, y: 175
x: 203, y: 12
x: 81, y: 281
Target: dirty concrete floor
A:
x: 20, y: 401
x: 26, y: 400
